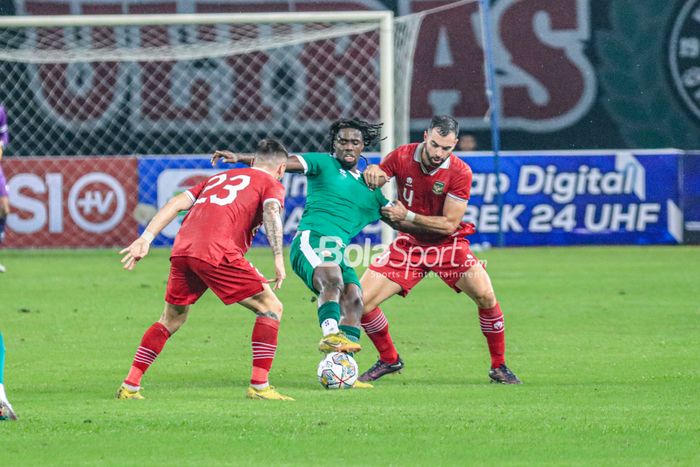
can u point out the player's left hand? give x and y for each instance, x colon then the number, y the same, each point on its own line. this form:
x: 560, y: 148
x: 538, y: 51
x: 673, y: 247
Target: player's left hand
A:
x: 280, y: 273
x: 395, y: 212
x: 374, y: 176
x: 226, y: 156
x: 134, y: 252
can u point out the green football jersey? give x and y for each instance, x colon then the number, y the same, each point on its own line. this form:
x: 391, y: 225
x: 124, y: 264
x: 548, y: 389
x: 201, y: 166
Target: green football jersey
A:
x: 338, y: 202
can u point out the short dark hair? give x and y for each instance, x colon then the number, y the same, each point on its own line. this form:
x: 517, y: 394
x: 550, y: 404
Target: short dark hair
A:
x: 371, y: 132
x: 269, y: 147
x: 444, y: 124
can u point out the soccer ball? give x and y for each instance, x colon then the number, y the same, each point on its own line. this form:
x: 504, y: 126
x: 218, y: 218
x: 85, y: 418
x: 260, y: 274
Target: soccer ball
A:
x: 337, y: 370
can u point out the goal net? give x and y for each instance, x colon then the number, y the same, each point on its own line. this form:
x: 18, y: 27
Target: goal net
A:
x: 172, y: 85
x: 117, y: 85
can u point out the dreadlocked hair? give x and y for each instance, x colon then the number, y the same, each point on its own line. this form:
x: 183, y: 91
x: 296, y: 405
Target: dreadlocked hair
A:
x: 371, y: 132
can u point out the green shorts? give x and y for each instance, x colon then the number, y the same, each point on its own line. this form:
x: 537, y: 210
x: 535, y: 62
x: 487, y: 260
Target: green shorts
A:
x: 308, y: 252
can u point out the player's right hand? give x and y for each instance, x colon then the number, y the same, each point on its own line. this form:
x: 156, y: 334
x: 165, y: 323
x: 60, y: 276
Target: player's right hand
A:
x: 280, y: 273
x: 134, y: 252
x: 226, y: 156
x: 395, y: 212
x: 375, y: 177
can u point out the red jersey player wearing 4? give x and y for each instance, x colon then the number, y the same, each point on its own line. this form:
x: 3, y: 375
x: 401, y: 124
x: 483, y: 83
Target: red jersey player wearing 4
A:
x: 433, y: 191
x: 224, y: 213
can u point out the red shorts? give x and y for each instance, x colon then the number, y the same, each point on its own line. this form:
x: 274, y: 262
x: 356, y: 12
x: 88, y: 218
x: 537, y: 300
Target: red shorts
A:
x: 231, y: 281
x: 406, y: 263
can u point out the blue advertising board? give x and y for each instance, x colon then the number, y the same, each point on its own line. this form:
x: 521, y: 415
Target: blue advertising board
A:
x: 557, y: 198
x: 691, y: 197
x: 578, y: 198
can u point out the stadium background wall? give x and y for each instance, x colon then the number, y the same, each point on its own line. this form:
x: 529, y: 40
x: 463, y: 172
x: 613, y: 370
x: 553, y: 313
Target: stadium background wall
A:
x: 573, y: 74
x: 550, y: 198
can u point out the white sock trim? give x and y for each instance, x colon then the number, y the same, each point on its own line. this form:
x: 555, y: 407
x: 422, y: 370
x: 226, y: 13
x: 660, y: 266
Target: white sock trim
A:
x: 329, y: 326
x: 131, y: 388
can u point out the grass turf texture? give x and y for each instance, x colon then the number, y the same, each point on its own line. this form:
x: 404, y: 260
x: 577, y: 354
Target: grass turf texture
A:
x: 605, y: 340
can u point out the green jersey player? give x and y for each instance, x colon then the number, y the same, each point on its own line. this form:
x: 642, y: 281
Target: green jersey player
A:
x: 338, y: 206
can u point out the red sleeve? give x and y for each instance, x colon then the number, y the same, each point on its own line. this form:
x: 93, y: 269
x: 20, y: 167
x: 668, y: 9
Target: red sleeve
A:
x: 390, y: 163
x: 196, y: 190
x: 274, y: 190
x: 461, y: 184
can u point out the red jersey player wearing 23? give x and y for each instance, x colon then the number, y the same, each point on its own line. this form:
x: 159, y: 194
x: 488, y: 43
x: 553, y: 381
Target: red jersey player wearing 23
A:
x: 224, y: 212
x: 435, y: 185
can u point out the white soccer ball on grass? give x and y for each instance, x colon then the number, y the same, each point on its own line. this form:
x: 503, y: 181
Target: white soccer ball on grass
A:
x: 337, y: 370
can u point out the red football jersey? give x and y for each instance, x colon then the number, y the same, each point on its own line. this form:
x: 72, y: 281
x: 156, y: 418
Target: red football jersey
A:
x: 226, y: 213
x: 424, y: 192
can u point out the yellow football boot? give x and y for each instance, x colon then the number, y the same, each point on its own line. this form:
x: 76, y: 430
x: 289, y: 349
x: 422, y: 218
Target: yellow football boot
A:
x: 338, y: 342
x: 269, y: 394
x: 124, y: 393
x: 362, y: 385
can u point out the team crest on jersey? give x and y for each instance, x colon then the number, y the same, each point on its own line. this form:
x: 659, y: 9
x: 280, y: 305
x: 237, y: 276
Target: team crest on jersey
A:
x: 438, y: 188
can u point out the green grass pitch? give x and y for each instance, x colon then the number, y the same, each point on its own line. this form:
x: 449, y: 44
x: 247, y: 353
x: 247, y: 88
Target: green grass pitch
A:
x: 606, y: 340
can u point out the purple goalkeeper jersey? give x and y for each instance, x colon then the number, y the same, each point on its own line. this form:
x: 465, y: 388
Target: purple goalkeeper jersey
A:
x: 4, y: 133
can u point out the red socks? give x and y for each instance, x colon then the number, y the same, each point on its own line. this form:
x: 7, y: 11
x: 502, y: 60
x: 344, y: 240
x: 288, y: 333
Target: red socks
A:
x: 152, y: 343
x: 264, y: 343
x: 377, y: 329
x: 493, y: 326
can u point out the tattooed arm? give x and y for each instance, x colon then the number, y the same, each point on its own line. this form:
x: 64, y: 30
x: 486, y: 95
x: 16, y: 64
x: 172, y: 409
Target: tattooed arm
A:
x: 272, y: 221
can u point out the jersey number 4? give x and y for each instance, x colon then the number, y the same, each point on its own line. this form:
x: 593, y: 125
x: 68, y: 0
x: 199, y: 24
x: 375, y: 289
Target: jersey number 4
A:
x: 238, y: 183
x: 408, y: 196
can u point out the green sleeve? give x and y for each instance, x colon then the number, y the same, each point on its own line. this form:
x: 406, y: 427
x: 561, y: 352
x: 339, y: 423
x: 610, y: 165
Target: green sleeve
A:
x: 314, y: 162
x: 380, y: 198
